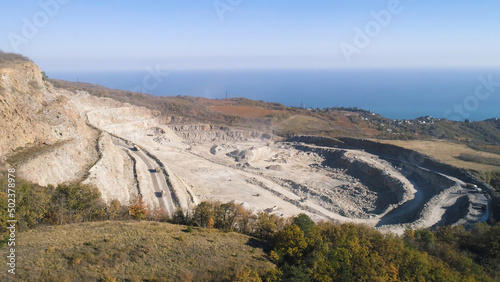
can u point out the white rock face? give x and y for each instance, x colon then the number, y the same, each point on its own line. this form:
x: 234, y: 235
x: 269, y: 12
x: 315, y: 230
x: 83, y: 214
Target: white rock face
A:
x: 113, y: 173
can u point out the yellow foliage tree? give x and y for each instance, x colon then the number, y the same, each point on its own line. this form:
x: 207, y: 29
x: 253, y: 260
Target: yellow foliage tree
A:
x: 211, y: 223
x: 138, y: 209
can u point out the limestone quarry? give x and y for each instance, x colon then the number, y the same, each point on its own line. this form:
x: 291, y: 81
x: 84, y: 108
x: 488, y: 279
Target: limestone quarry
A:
x: 54, y: 135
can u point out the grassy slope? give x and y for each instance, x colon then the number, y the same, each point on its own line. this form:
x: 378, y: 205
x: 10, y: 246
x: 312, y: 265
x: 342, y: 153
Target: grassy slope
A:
x: 133, y: 250
x: 447, y: 152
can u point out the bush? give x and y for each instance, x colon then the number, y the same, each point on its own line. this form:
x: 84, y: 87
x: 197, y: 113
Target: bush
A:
x: 77, y: 202
x: 138, y: 209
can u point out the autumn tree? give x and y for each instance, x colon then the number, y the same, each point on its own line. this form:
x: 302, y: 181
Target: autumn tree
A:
x: 268, y: 224
x: 246, y: 221
x: 138, y: 209
x: 158, y: 215
x: 291, y: 243
x: 32, y: 204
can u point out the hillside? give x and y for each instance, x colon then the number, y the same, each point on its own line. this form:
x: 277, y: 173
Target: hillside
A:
x: 285, y: 121
x: 134, y: 251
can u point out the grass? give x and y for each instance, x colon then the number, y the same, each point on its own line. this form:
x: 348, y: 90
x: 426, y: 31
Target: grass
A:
x: 449, y: 152
x: 134, y: 251
x: 300, y: 124
x: 21, y: 155
x: 7, y: 58
x: 486, y: 148
x: 480, y: 159
x: 245, y: 111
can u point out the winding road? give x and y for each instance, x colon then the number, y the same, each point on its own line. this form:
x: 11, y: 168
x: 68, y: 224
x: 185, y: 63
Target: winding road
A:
x: 160, y: 186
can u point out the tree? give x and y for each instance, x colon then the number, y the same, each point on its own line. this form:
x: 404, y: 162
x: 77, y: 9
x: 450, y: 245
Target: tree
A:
x: 157, y: 215
x: 138, y: 209
x: 211, y: 223
x: 114, y: 209
x: 179, y: 217
x: 304, y: 222
x: 246, y: 221
x: 203, y: 213
x: 291, y: 243
x: 226, y: 216
x: 4, y: 216
x: 267, y: 225
x: 77, y: 202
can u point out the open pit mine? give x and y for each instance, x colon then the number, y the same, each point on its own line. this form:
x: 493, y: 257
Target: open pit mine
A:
x: 126, y: 150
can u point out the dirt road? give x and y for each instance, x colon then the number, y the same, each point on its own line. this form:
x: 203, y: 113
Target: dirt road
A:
x: 160, y: 186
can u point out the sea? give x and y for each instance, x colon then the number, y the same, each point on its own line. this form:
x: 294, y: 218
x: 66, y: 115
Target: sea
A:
x: 456, y: 94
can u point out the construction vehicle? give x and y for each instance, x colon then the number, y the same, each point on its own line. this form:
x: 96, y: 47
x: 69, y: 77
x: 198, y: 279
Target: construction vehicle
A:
x: 471, y: 186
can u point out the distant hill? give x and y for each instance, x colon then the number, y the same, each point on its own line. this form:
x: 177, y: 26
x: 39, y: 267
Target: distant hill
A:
x: 286, y: 121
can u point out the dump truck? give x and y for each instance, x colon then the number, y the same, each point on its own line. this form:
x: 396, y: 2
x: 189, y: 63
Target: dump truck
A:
x: 471, y: 186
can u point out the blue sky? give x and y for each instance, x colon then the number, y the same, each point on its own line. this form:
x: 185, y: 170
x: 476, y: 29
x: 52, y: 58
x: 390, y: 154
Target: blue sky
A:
x: 251, y: 34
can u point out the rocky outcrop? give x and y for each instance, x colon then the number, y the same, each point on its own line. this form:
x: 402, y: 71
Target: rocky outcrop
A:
x: 46, y: 135
x: 390, y: 190
x: 42, y: 133
x: 209, y: 132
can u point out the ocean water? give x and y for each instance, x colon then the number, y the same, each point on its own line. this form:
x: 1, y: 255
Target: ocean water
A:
x: 396, y: 94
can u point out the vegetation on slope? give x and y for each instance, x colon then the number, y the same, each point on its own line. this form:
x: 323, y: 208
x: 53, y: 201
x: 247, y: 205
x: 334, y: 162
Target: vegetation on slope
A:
x: 480, y: 159
x: 52, y: 248
x: 325, y: 251
x: 136, y: 251
x: 329, y: 252
x: 6, y: 58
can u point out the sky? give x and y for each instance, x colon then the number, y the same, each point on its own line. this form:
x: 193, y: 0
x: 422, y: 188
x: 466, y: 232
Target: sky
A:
x: 93, y: 35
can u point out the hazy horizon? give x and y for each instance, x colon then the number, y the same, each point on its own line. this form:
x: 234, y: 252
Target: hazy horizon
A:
x: 395, y: 94
x: 62, y: 35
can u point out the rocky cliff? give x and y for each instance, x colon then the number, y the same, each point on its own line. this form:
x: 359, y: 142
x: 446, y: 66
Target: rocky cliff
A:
x: 45, y: 133
x: 210, y: 132
x: 42, y: 133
